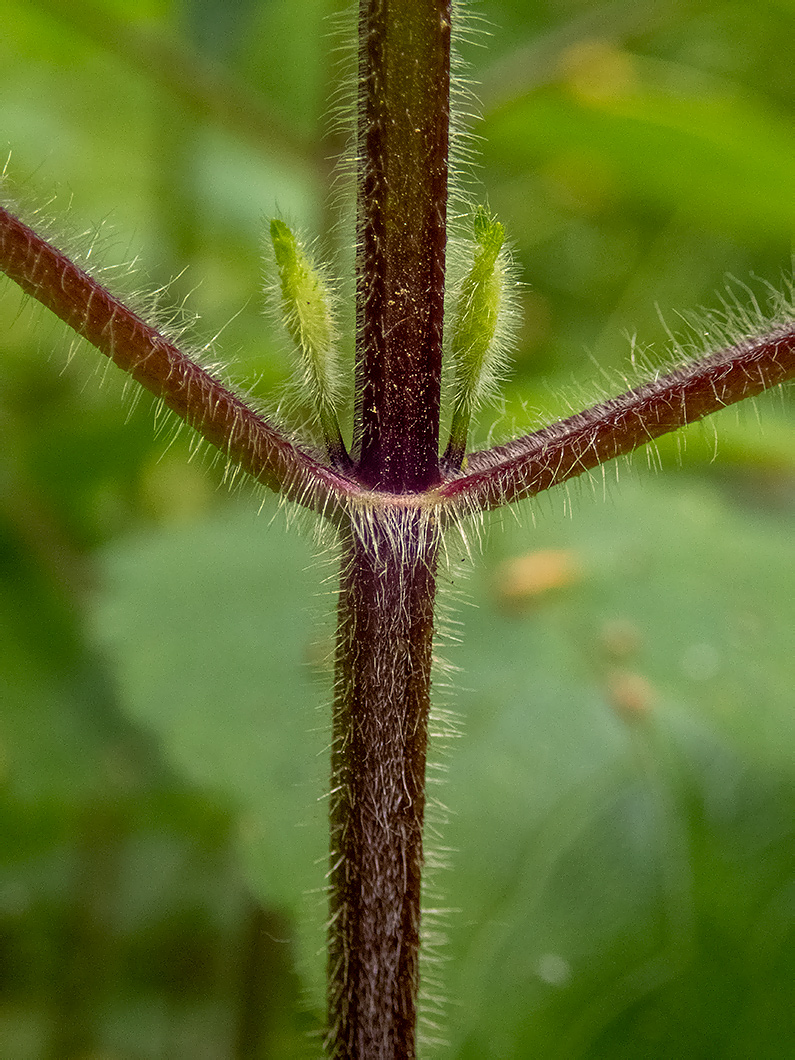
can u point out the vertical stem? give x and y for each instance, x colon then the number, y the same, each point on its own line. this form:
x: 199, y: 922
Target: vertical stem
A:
x: 403, y: 138
x: 380, y: 731
x: 387, y: 586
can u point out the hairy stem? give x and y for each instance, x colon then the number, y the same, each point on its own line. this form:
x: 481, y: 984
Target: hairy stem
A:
x: 193, y: 393
x: 387, y: 500
x: 387, y: 589
x: 548, y: 457
x: 403, y: 137
x: 380, y: 727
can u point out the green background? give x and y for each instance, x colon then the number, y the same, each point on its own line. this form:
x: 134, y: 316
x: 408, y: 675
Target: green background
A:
x: 616, y: 806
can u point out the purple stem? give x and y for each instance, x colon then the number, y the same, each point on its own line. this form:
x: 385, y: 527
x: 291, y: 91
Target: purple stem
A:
x: 196, y: 396
x: 538, y: 461
x: 387, y: 585
x: 403, y: 134
x: 384, y: 642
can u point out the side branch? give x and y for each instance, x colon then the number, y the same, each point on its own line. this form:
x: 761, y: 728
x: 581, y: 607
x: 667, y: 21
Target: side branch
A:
x: 219, y: 415
x: 563, y: 450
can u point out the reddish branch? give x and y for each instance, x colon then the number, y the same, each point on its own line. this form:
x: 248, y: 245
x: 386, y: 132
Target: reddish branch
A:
x: 532, y: 464
x: 192, y: 392
x: 501, y: 475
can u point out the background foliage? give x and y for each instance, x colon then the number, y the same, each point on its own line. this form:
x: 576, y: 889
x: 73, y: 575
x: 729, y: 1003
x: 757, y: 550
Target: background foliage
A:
x: 622, y: 792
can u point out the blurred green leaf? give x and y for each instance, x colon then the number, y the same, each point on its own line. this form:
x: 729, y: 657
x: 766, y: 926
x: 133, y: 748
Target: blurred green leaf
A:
x: 210, y: 631
x: 624, y: 791
x: 215, y: 650
x: 718, y: 162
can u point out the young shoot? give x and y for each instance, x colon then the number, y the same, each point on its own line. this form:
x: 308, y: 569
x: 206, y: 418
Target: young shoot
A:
x: 475, y: 346
x: 306, y: 305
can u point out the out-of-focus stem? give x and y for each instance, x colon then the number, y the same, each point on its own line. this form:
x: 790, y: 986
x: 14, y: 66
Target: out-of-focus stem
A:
x: 195, y: 79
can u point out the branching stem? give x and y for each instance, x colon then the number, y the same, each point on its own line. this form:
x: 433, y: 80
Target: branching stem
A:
x: 192, y: 392
x: 387, y: 589
x: 546, y: 458
x: 393, y: 499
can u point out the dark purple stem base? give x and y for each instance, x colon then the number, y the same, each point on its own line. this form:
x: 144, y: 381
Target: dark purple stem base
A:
x: 380, y: 726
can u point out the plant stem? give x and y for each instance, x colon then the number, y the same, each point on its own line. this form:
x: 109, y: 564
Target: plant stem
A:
x: 387, y: 502
x: 380, y: 728
x: 546, y: 458
x: 403, y: 138
x: 387, y: 586
x: 195, y: 394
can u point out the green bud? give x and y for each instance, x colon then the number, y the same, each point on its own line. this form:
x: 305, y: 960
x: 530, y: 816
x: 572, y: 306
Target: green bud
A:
x: 307, y: 313
x: 474, y: 346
